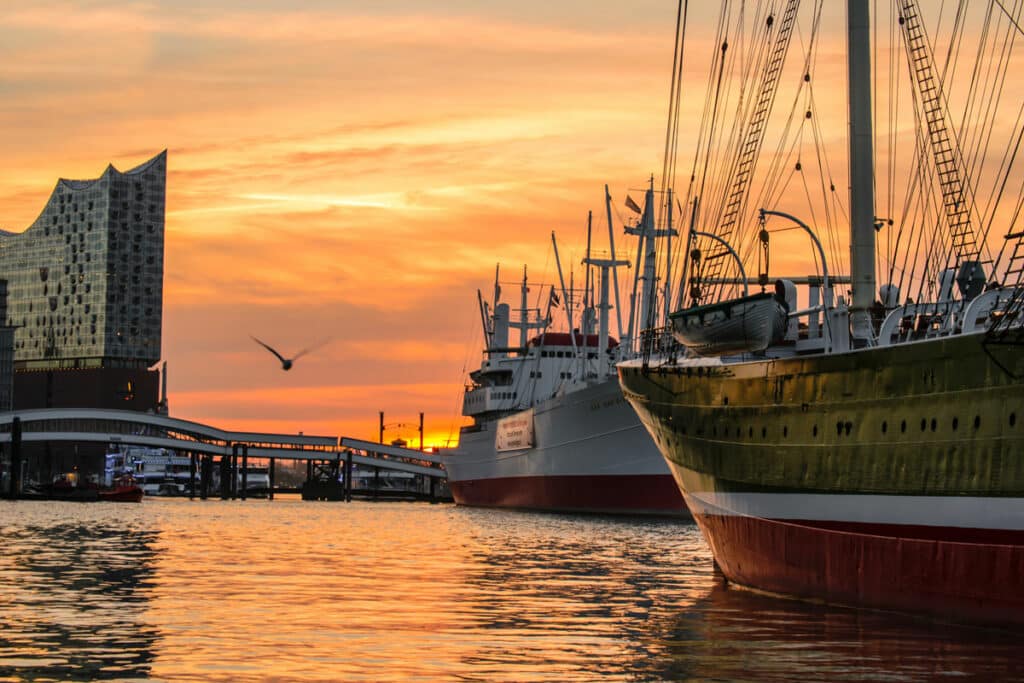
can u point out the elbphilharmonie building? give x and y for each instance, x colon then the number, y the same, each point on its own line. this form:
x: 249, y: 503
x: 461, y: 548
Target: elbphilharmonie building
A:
x: 85, y: 292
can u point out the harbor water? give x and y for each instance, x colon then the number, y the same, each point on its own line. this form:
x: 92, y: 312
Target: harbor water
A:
x: 180, y: 590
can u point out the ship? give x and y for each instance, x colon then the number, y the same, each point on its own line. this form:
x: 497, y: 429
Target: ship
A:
x: 867, y: 451
x: 550, y: 428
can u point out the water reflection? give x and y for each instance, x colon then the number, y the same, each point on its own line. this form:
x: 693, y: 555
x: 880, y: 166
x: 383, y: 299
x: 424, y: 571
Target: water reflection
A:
x: 569, y: 597
x: 733, y: 634
x: 230, y: 591
x: 76, y: 584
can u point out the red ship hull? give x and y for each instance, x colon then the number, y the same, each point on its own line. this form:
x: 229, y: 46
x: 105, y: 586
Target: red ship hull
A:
x: 980, y: 582
x: 619, y: 494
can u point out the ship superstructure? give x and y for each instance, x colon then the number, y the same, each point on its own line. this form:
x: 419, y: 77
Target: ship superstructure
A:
x: 551, y: 429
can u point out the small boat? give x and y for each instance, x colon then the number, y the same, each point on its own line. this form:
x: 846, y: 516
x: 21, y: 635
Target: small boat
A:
x: 123, y: 490
x: 747, y: 324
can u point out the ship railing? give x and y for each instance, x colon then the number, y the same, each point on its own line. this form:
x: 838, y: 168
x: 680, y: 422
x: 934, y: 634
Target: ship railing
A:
x: 659, y: 342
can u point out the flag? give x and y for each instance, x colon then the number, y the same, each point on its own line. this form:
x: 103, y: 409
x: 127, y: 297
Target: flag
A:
x: 554, y: 298
x: 631, y: 204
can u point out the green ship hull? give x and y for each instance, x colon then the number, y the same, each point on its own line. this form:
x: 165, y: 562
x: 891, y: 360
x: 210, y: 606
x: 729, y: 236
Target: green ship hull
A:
x: 890, y: 477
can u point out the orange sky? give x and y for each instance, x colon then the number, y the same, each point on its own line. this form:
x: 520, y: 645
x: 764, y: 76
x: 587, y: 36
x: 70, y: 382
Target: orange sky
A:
x: 351, y: 170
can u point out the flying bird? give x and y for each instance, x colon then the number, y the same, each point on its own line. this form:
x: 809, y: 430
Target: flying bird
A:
x: 286, y: 363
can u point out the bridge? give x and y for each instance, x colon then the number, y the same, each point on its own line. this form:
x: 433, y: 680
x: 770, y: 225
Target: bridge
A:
x: 203, y: 442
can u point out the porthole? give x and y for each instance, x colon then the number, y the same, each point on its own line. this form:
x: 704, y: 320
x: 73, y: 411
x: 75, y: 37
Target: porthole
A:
x: 934, y: 424
x: 924, y: 424
x: 750, y: 432
x: 785, y: 432
x: 725, y: 401
x: 977, y: 421
x: 848, y: 426
x: 1013, y: 419
x: 839, y: 428
x: 814, y: 431
x: 956, y: 423
x: 764, y: 432
x: 903, y: 426
x: 885, y: 426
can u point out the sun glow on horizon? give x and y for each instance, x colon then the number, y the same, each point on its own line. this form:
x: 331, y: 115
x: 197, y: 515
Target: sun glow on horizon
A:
x: 354, y: 171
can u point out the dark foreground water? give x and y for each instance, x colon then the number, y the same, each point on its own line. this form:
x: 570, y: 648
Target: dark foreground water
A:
x: 286, y: 590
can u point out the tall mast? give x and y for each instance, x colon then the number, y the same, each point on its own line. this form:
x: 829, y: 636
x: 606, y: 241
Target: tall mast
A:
x: 524, y: 313
x: 862, y: 193
x: 615, y: 273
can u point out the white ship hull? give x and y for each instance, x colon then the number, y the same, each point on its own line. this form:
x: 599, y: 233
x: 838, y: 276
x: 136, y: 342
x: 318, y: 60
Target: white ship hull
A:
x: 590, y: 453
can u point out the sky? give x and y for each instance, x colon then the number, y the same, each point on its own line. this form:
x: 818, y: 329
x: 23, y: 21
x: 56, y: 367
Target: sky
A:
x: 347, y: 172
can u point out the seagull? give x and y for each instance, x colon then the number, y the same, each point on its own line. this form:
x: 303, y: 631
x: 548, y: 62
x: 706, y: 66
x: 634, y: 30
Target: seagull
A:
x: 286, y: 363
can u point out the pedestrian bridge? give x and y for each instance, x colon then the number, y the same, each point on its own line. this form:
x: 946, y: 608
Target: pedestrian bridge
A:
x: 131, y: 428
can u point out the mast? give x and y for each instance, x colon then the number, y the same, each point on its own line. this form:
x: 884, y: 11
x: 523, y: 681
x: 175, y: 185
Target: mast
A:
x: 647, y: 233
x: 862, y: 194
x: 524, y: 314
x: 604, y: 306
x: 615, y: 273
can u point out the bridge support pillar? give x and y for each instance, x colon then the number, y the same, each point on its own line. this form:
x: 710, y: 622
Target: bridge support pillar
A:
x: 191, y: 476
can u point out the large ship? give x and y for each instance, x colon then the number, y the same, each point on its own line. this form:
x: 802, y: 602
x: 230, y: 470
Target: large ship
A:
x: 869, y: 452
x: 551, y: 429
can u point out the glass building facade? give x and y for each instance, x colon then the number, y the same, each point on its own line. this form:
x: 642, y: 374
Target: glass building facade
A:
x: 85, y: 280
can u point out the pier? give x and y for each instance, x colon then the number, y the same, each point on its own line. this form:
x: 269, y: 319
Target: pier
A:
x: 330, y: 460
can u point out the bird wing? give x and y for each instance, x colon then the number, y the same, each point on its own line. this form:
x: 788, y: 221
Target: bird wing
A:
x: 268, y: 348
x: 314, y: 347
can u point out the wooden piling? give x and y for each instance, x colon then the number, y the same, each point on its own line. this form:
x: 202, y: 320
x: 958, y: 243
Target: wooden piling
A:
x: 348, y: 476
x: 205, y: 472
x: 15, y: 479
x: 270, y: 493
x: 225, y: 476
x: 245, y: 470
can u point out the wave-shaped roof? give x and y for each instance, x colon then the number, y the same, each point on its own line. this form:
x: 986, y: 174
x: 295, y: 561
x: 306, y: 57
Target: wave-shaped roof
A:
x: 110, y: 170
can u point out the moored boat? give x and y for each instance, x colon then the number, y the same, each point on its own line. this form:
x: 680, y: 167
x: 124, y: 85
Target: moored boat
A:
x: 873, y: 456
x: 551, y: 429
x: 124, y: 489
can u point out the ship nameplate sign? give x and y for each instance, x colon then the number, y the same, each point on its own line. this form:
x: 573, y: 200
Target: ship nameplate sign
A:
x: 515, y: 432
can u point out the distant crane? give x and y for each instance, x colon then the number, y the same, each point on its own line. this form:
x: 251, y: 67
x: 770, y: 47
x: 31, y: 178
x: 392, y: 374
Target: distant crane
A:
x: 286, y: 363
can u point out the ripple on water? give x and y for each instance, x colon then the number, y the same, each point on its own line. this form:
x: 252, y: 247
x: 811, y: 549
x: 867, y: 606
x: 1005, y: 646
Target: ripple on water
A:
x: 179, y: 590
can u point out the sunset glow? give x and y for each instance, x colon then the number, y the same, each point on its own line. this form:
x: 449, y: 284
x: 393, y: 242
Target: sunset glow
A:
x: 347, y: 172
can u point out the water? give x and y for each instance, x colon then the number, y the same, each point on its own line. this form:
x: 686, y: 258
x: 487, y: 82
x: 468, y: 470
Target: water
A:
x: 231, y: 591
